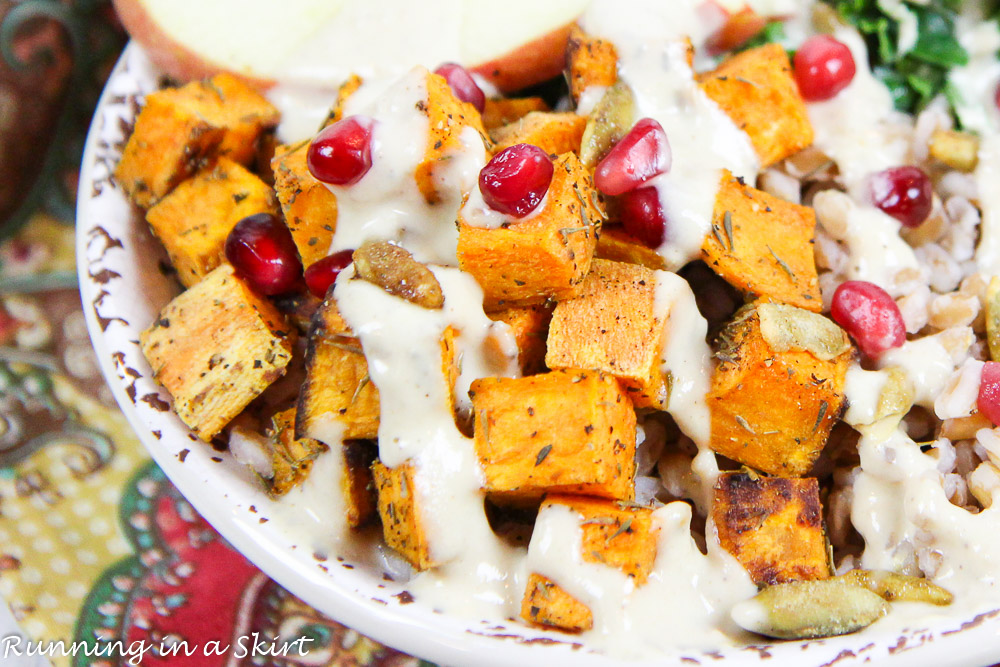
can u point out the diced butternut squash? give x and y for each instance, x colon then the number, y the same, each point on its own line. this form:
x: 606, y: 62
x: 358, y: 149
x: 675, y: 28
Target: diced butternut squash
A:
x: 346, y: 89
x: 230, y: 103
x: 530, y: 326
x: 338, y: 401
x: 194, y: 220
x: 763, y: 245
x: 215, y: 348
x: 613, y: 326
x: 778, y: 387
x: 291, y: 457
x: 568, y: 431
x: 615, y: 535
x: 448, y: 116
x: 546, y: 255
x: 506, y: 110
x: 359, y: 485
x: 168, y: 143
x: 757, y: 90
x: 310, y: 209
x: 553, y: 132
x: 399, y: 508
x: 589, y: 62
x: 618, y: 245
x: 773, y: 526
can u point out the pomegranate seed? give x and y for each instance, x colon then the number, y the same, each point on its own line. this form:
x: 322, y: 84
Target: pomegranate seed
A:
x: 516, y: 179
x: 869, y: 315
x: 641, y: 154
x: 262, y: 252
x: 321, y: 274
x: 341, y: 153
x: 823, y: 68
x: 463, y: 85
x: 642, y: 215
x: 905, y: 193
x: 989, y: 392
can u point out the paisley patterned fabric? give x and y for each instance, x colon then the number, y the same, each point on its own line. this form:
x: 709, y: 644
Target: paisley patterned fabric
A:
x: 96, y: 545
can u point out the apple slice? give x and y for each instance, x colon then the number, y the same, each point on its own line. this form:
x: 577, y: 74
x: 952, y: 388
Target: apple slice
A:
x: 513, y: 43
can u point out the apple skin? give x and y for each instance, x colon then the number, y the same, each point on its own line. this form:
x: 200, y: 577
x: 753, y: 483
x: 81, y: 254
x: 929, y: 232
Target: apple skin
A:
x: 176, y: 60
x: 533, y: 62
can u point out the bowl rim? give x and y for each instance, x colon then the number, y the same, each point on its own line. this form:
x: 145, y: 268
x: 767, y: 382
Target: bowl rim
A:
x: 211, y: 483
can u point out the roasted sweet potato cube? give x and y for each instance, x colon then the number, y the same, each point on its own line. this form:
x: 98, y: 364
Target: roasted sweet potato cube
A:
x: 618, y: 245
x: 346, y: 89
x: 215, y: 348
x: 338, y: 401
x: 614, y: 534
x: 543, y: 257
x: 773, y: 526
x: 506, y: 110
x: 530, y: 326
x: 589, y: 62
x: 168, y: 143
x: 291, y: 457
x: 763, y: 246
x: 194, y: 220
x: 310, y: 209
x: 613, y: 326
x: 778, y: 387
x: 228, y: 102
x: 757, y: 90
x: 448, y: 117
x: 358, y: 484
x: 399, y: 508
x: 567, y: 431
x: 553, y: 132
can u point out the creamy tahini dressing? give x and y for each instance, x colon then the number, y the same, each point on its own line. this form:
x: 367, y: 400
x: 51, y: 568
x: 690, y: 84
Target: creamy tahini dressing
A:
x: 402, y: 343
x: 975, y: 84
x: 687, y: 360
x: 652, y: 50
x: 386, y: 203
x: 685, y: 601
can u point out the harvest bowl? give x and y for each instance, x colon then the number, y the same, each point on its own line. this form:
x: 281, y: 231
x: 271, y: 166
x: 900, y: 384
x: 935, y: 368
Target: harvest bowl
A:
x: 123, y: 287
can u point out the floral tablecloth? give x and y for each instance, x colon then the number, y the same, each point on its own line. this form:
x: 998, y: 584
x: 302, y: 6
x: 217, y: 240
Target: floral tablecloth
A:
x: 96, y: 545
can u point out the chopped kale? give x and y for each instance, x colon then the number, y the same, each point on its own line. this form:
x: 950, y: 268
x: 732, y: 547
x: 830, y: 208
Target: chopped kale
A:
x: 918, y: 75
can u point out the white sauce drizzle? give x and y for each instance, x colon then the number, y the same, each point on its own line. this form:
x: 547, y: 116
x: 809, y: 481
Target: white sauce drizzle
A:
x: 927, y: 363
x: 862, y: 389
x: 976, y: 85
x: 402, y: 343
x: 688, y: 360
x: 636, y: 622
x: 652, y: 54
x: 386, y: 203
x: 855, y: 127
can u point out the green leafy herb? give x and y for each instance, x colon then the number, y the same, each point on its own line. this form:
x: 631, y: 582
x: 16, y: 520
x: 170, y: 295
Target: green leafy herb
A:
x: 920, y: 74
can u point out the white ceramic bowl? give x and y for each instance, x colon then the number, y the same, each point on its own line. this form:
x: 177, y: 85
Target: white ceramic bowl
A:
x: 123, y: 288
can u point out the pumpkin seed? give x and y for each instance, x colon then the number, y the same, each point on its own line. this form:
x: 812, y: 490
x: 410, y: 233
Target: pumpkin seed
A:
x: 899, y: 587
x: 897, y: 395
x: 958, y: 150
x: 993, y: 317
x: 789, y: 328
x: 810, y: 609
x: 610, y: 120
x: 396, y: 271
